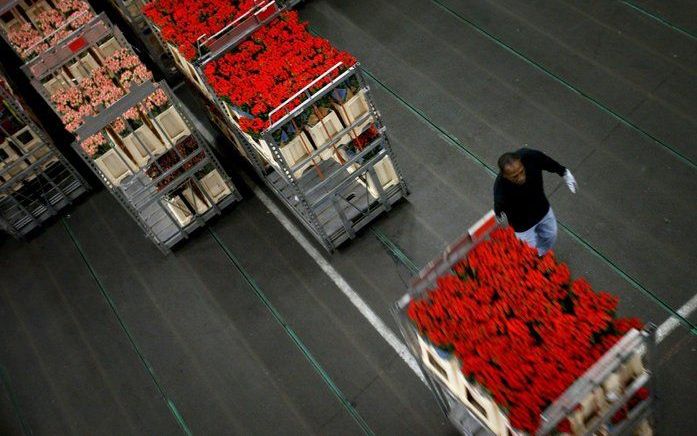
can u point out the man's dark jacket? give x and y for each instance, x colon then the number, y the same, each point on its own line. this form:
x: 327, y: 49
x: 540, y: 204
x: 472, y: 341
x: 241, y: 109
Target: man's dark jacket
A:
x: 525, y: 205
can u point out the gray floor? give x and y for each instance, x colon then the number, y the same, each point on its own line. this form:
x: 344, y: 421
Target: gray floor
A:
x: 239, y: 330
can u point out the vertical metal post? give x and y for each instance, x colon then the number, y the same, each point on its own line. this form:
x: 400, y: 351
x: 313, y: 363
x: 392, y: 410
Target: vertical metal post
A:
x: 290, y: 179
x: 649, y: 334
x: 380, y: 125
x: 378, y: 185
x: 342, y: 215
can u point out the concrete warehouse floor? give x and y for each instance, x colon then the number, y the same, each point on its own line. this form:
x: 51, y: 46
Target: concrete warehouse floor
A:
x: 240, y: 331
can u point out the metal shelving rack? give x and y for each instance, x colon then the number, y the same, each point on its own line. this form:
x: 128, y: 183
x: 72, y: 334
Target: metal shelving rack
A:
x: 333, y: 193
x: 465, y: 411
x: 170, y: 183
x: 131, y: 11
x: 168, y: 201
x: 333, y: 198
x: 35, y: 179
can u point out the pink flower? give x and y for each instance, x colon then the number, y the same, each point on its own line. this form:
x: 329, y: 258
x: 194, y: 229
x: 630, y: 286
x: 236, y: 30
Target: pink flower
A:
x: 91, y: 144
x: 50, y: 27
x: 104, y: 87
x: 157, y: 99
x: 26, y: 40
x: 119, y: 125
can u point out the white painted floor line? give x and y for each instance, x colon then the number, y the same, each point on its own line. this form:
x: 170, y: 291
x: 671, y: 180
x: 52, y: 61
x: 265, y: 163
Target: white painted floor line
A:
x: 671, y: 323
x: 340, y: 282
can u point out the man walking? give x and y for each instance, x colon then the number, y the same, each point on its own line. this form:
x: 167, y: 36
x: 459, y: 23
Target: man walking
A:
x: 519, y: 194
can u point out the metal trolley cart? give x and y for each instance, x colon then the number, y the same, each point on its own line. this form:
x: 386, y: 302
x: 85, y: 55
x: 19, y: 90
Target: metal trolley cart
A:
x: 154, y: 161
x: 163, y: 172
x: 35, y: 179
x: 331, y: 186
x: 589, y: 403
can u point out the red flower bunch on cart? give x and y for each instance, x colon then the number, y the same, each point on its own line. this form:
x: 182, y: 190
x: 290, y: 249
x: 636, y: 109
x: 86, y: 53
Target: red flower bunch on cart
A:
x: 183, y: 23
x: 521, y: 326
x: 278, y: 60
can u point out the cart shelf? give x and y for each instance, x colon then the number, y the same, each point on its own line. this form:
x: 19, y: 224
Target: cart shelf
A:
x: 327, y: 158
x: 133, y: 133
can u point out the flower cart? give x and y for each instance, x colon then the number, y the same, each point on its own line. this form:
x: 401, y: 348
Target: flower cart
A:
x: 157, y: 165
x: 35, y: 179
x: 510, y: 344
x: 131, y: 11
x: 86, y: 71
x: 133, y: 133
x: 196, y: 39
x: 296, y: 107
x: 336, y: 178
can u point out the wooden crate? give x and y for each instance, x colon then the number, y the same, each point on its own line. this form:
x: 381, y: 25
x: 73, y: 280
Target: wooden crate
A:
x: 354, y: 108
x: 215, y: 186
x: 446, y: 368
x: 171, y: 125
x: 113, y: 166
x: 481, y: 404
x: 35, y: 10
x: 108, y: 48
x: 83, y: 66
x: 387, y: 176
x: 142, y: 141
x: 179, y: 210
x: 198, y: 201
x: 58, y: 83
x: 296, y: 150
x: 325, y: 129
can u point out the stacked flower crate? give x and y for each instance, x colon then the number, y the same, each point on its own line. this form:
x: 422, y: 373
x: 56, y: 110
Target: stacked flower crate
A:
x: 295, y: 106
x: 511, y: 344
x: 35, y: 179
x: 134, y: 134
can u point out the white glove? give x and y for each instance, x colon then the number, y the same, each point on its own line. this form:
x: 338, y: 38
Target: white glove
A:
x: 501, y: 218
x: 570, y: 181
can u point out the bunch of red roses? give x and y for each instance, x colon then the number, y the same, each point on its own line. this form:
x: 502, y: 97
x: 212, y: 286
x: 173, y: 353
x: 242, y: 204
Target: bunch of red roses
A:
x: 183, y: 23
x: 277, y: 61
x: 521, y: 327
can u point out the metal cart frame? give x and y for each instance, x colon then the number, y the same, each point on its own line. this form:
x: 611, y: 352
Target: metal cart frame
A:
x: 39, y: 182
x: 465, y: 419
x: 144, y: 198
x: 139, y: 194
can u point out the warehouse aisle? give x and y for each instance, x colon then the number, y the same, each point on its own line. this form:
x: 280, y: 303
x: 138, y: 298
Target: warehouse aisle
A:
x: 635, y: 197
x: 675, y: 14
x: 224, y: 359
x: 68, y: 361
x: 240, y: 331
